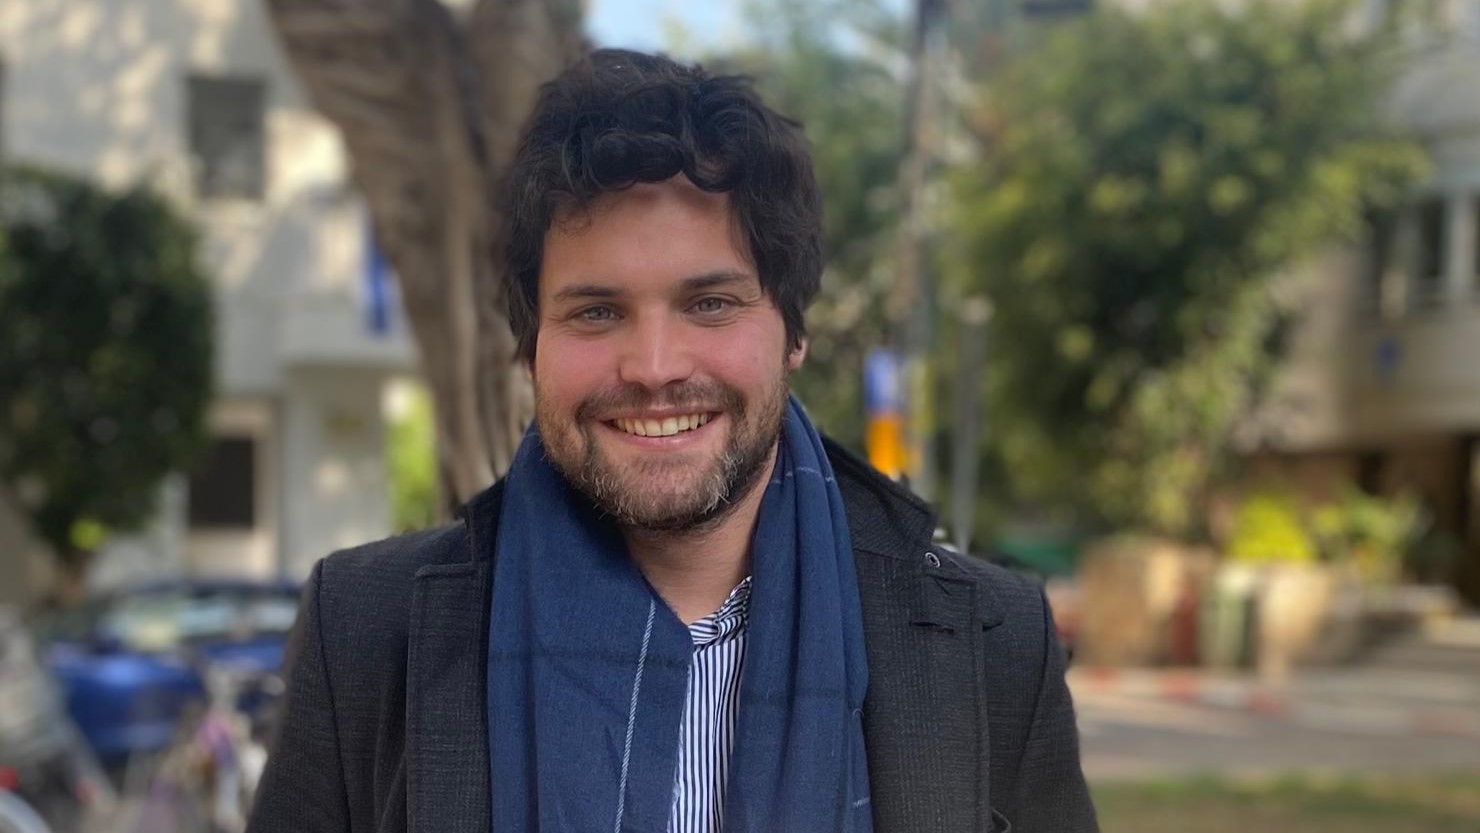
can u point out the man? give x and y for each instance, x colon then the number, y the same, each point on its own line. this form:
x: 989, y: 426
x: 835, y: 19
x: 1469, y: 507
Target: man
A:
x: 681, y: 610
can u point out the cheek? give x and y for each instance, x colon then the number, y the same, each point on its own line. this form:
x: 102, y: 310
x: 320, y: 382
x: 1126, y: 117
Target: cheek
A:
x: 566, y: 372
x: 749, y: 357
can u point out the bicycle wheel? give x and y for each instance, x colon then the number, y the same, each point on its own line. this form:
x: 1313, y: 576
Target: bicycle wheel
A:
x: 16, y: 816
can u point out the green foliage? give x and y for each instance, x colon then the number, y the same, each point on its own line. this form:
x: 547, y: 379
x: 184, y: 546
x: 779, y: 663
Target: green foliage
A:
x: 1268, y: 529
x: 1372, y: 534
x: 106, y: 373
x: 412, y: 457
x: 1146, y: 176
x: 834, y: 66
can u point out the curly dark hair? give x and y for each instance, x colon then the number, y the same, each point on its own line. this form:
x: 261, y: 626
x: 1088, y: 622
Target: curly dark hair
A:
x: 618, y: 118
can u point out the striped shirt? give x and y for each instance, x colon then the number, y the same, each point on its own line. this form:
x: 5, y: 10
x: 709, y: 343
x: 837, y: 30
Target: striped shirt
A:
x: 707, y: 734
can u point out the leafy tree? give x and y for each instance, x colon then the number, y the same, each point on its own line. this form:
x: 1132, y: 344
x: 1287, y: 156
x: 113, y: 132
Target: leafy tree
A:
x: 836, y: 67
x: 429, y: 96
x: 106, y: 371
x: 411, y: 452
x: 1146, y: 176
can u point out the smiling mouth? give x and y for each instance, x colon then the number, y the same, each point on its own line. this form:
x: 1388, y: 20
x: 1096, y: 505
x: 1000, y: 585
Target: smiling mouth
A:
x: 667, y: 427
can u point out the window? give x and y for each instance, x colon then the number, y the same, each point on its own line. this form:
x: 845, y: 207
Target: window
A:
x: 1432, y: 242
x: 223, y: 488
x: 1473, y: 279
x: 227, y: 131
x: 1382, y: 229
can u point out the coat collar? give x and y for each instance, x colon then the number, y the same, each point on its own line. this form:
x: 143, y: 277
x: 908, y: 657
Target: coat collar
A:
x: 447, y: 781
x: 924, y: 717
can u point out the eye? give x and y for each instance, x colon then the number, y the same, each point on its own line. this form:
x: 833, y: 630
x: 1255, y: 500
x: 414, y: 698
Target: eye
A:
x: 596, y: 315
x: 711, y: 305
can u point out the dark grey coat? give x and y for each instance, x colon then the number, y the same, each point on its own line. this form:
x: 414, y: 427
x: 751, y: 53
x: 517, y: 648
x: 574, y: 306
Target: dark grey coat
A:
x: 967, y: 720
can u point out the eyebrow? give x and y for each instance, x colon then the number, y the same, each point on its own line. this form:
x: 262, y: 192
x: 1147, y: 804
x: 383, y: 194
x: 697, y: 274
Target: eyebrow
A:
x: 586, y: 290
x: 708, y: 280
x: 711, y: 280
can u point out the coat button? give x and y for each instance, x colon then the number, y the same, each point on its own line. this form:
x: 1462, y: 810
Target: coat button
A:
x: 932, y: 559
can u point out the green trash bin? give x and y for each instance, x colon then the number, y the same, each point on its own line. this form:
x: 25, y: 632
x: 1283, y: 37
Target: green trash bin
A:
x: 1229, y: 617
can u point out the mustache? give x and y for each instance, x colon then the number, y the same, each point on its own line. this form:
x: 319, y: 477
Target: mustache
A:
x: 682, y: 396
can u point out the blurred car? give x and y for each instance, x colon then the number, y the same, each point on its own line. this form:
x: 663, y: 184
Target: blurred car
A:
x: 45, y: 766
x: 1063, y: 600
x: 132, y: 662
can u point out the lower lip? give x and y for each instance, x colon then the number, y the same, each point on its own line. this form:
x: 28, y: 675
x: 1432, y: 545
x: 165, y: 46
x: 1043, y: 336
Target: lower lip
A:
x: 678, y: 440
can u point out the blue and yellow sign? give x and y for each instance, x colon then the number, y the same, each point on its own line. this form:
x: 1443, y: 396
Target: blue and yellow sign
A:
x: 883, y: 397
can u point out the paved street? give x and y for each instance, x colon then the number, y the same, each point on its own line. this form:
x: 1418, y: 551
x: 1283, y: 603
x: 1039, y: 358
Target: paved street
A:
x: 1409, y: 709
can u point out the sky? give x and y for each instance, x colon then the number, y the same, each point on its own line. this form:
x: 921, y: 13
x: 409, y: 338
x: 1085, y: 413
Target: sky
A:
x: 644, y: 24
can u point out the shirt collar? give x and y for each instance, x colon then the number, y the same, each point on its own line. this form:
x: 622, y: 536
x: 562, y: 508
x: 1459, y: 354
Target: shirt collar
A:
x: 725, y: 622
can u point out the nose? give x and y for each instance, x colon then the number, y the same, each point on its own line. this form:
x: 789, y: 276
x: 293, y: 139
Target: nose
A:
x: 656, y: 354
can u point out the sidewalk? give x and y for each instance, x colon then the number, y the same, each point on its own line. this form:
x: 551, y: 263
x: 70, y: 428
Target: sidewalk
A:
x: 1412, y: 706
x: 1426, y: 683
x: 1381, y: 702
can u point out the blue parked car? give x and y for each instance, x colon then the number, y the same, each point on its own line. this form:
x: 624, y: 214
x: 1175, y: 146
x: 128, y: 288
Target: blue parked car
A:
x: 130, y: 663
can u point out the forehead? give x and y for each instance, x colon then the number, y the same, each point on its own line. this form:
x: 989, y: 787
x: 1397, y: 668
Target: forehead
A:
x: 646, y: 236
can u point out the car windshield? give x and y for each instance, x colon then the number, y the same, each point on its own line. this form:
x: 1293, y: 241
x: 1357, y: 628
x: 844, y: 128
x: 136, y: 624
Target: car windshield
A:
x: 167, y: 620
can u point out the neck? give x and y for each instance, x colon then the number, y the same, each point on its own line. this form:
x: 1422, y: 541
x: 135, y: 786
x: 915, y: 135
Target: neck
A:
x: 695, y: 570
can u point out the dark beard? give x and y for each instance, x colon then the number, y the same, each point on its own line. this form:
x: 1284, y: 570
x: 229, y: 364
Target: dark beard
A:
x: 739, y: 467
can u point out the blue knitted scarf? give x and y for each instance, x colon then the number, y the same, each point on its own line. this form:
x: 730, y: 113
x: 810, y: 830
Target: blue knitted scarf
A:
x: 588, y: 668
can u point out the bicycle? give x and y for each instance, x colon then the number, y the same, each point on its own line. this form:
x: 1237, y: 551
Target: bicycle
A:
x: 16, y: 816
x: 205, y: 780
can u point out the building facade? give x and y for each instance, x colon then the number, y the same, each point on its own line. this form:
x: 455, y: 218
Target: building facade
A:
x: 1383, y: 385
x: 195, y: 98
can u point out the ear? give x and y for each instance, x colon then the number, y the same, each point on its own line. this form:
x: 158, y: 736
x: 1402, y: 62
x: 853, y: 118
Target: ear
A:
x: 525, y: 355
x: 797, y: 355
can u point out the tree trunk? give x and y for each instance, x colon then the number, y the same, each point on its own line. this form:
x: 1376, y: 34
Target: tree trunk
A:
x: 430, y: 108
x: 70, y: 588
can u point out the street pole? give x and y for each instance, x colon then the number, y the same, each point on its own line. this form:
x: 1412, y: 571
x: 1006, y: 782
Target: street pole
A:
x: 966, y: 457
x: 913, y: 296
x: 913, y: 308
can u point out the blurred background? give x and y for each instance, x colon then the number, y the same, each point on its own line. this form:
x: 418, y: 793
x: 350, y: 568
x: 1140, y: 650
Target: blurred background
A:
x: 1173, y: 305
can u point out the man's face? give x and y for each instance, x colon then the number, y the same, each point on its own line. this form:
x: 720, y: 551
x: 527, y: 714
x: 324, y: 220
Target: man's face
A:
x: 660, y: 365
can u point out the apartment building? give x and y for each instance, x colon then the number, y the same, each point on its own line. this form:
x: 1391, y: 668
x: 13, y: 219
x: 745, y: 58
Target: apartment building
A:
x: 195, y: 98
x: 1383, y: 387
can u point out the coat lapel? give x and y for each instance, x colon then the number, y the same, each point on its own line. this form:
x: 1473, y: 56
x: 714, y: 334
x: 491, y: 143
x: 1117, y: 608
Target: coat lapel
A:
x: 447, y: 780
x: 924, y: 719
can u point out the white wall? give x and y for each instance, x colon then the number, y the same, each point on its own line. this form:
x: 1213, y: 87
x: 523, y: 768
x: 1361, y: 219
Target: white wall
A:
x: 98, y: 87
x: 1309, y: 405
x: 156, y: 550
x: 336, y: 493
x: 1432, y: 380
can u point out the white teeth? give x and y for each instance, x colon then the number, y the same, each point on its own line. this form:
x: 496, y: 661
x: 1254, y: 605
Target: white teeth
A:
x: 662, y: 428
